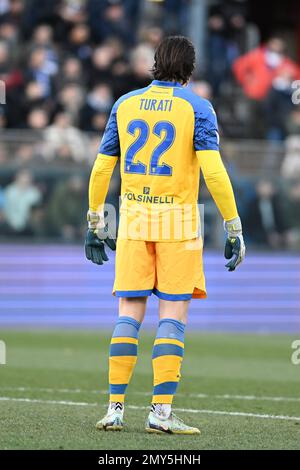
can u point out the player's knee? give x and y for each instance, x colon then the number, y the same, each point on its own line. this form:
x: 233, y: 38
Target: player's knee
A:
x: 133, y: 307
x: 175, y: 310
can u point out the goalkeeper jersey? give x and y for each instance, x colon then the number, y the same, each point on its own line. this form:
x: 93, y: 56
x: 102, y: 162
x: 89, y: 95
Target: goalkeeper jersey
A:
x: 156, y: 132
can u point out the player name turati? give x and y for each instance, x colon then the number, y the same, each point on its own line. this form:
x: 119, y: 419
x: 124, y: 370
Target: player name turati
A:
x: 155, y: 105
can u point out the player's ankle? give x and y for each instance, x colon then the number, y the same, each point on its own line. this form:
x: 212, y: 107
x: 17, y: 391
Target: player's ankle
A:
x: 161, y: 410
x: 116, y: 406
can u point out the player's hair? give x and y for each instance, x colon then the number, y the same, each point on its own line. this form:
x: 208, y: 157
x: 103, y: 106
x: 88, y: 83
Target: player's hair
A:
x: 174, y: 59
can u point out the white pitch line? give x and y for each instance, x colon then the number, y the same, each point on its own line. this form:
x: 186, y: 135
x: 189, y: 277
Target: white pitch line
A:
x: 133, y: 407
x: 228, y: 413
x: 147, y: 394
x: 240, y: 413
x: 48, y: 402
x: 246, y: 397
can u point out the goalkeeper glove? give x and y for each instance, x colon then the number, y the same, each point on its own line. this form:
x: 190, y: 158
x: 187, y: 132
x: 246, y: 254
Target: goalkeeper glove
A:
x: 234, y: 247
x: 96, y: 236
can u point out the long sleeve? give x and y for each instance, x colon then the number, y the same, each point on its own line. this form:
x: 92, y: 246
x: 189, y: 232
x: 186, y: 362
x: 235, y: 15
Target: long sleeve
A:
x: 99, y: 181
x: 105, y: 163
x: 218, y: 182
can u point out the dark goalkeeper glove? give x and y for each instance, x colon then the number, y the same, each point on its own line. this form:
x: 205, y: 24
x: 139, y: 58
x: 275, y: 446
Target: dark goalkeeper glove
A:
x: 234, y: 247
x: 97, y: 234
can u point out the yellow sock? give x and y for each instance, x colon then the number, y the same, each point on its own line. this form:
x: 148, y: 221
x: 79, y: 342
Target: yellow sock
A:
x: 122, y: 357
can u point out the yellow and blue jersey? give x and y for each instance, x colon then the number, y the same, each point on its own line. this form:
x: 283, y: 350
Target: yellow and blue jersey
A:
x: 156, y: 132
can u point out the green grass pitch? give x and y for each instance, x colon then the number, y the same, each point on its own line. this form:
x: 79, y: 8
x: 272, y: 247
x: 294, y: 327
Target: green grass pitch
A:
x: 53, y: 386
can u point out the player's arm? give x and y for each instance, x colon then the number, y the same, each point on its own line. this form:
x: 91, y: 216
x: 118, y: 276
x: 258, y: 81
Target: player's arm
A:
x: 206, y: 142
x: 218, y: 182
x: 99, y: 182
x: 102, y: 171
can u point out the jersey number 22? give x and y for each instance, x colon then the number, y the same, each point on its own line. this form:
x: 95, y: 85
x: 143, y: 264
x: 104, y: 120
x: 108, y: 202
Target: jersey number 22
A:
x: 155, y: 168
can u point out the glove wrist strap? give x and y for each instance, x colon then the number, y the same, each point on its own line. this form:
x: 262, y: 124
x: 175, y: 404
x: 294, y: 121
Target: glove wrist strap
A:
x: 95, y: 220
x: 233, y: 227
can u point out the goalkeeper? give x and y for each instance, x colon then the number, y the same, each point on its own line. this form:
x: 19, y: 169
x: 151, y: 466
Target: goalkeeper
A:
x: 163, y: 135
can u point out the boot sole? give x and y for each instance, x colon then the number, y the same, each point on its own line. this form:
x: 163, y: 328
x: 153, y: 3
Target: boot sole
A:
x: 158, y: 431
x: 109, y: 428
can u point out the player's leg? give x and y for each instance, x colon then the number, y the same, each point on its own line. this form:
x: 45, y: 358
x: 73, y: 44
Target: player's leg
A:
x: 179, y: 272
x: 168, y: 354
x: 176, y: 310
x: 166, y: 359
x: 122, y: 359
x: 135, y: 275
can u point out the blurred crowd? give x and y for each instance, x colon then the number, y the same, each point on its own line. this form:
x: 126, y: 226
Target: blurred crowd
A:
x: 253, y: 82
x: 43, y: 209
x: 269, y: 210
x: 74, y: 57
x: 65, y: 62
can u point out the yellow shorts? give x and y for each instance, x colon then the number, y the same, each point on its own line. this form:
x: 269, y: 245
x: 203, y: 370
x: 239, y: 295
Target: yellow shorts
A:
x: 172, y: 271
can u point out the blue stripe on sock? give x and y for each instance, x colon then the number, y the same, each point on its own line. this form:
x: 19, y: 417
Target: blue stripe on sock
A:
x: 166, y: 388
x: 167, y: 350
x: 123, y: 349
x: 126, y: 327
x: 170, y: 328
x: 117, y: 389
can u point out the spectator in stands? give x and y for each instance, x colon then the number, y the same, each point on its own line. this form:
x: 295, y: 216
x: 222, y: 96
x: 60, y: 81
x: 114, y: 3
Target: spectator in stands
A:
x: 70, y: 98
x: 67, y: 208
x: 62, y: 133
x: 293, y: 211
x: 28, y: 155
x: 4, y: 157
x: 78, y: 43
x: 77, y: 57
x: 3, y: 120
x: 39, y: 70
x: 19, y: 199
x: 10, y: 33
x: 37, y: 12
x: 278, y: 105
x: 290, y: 168
x: 109, y: 20
x: 33, y: 98
x: 151, y: 35
x: 242, y: 36
x: 72, y: 12
x: 133, y: 10
x: 1, y: 203
x: 264, y: 220
x: 12, y: 12
x: 3, y: 225
x: 37, y: 119
x: 257, y: 69
x: 98, y: 103
x: 4, y: 8
x: 71, y: 71
x: 218, y: 66
x: 102, y: 59
x: 141, y: 62
x: 8, y: 72
x: 175, y: 16
x: 203, y: 89
x: 293, y: 122
x: 43, y: 38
